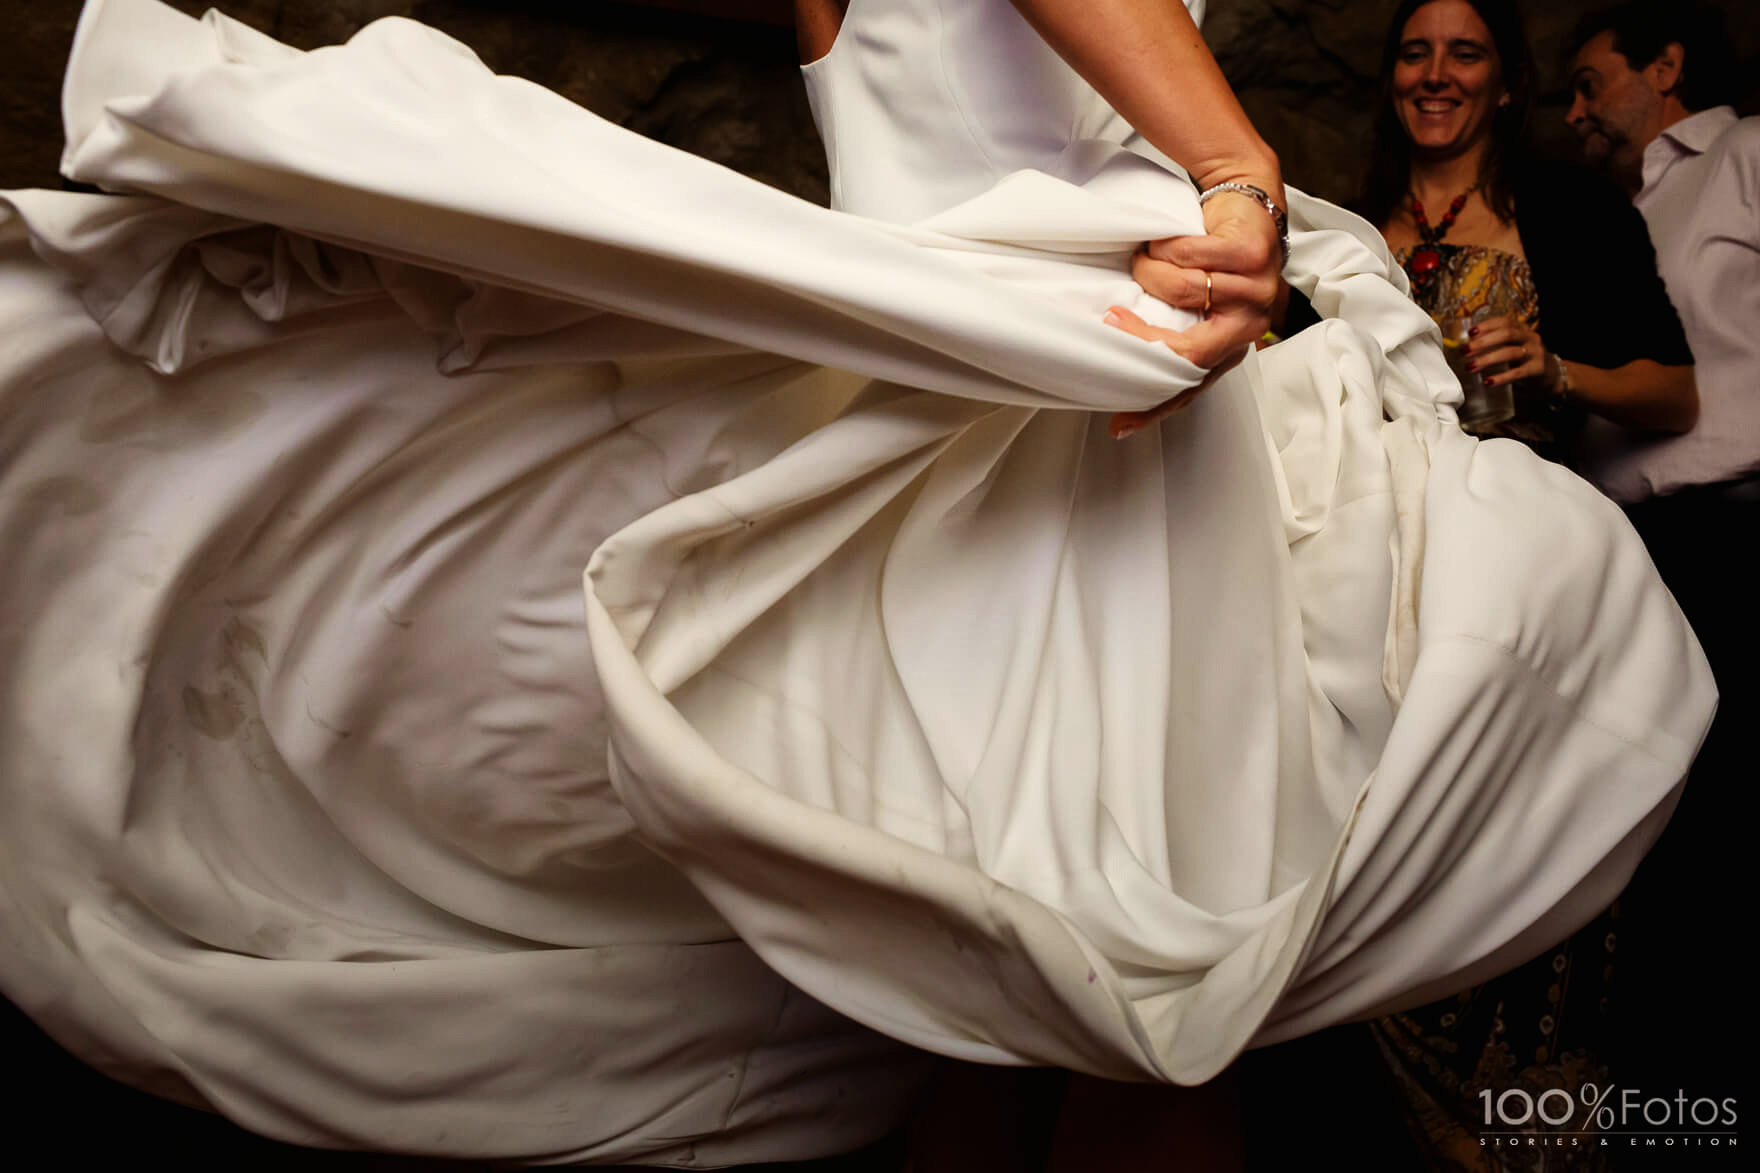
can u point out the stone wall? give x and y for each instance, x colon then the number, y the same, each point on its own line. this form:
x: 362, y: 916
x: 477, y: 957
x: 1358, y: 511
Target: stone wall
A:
x: 726, y: 89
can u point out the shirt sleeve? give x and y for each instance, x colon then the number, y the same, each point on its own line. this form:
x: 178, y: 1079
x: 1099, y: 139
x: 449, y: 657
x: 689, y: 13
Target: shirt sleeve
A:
x: 1721, y: 297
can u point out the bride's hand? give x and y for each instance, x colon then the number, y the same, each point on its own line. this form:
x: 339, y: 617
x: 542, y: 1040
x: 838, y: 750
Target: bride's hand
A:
x: 1232, y: 271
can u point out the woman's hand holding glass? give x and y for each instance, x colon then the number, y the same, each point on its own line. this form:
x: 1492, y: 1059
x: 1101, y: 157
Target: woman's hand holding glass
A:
x: 1514, y: 350
x: 1229, y: 276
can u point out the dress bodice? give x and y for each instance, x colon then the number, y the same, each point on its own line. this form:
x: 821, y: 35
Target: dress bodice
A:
x: 926, y: 103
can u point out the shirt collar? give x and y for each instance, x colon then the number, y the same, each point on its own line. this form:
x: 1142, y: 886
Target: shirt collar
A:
x: 1696, y: 132
x: 1692, y: 135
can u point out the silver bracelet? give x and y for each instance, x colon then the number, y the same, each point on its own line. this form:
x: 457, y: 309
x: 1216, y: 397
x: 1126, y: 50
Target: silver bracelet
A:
x: 1556, y: 366
x: 1278, y: 218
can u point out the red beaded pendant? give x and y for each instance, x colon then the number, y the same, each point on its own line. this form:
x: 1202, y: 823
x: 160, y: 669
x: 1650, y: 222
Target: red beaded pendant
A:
x: 1421, y: 266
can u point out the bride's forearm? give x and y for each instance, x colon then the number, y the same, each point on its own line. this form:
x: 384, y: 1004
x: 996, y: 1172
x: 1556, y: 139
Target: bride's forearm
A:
x: 1148, y: 60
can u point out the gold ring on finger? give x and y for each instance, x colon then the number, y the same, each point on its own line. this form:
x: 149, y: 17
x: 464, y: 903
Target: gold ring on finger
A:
x: 1209, y: 289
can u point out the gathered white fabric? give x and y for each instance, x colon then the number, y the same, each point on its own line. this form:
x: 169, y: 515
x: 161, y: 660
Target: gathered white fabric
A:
x: 901, y: 693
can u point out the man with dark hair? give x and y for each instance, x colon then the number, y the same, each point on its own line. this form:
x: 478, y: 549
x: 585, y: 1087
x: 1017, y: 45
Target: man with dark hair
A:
x: 1641, y: 69
x: 1649, y: 82
x: 1647, y: 78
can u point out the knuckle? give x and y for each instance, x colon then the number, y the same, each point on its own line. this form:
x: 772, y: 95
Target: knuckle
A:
x: 1154, y: 276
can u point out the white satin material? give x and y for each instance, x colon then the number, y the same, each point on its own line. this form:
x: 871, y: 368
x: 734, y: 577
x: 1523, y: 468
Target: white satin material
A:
x: 323, y: 804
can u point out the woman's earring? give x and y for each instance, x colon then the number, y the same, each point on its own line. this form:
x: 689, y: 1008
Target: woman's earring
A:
x: 1503, y: 101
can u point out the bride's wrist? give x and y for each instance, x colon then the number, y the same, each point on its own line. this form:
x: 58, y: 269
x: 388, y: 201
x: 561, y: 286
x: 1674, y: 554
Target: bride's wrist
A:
x: 1258, y: 169
x: 1276, y: 218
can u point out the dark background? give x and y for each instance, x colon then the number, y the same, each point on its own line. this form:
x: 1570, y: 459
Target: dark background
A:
x: 727, y: 88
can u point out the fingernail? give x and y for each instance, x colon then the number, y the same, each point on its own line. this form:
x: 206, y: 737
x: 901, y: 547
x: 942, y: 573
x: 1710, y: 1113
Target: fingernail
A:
x: 1113, y: 317
x: 1124, y: 431
x: 1472, y: 366
x: 1473, y: 333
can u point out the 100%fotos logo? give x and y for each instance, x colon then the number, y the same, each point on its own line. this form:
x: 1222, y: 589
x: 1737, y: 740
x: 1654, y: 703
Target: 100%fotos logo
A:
x: 1515, y: 1107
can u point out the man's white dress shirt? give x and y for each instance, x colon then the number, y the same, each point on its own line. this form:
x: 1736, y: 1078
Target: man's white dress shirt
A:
x: 1701, y: 200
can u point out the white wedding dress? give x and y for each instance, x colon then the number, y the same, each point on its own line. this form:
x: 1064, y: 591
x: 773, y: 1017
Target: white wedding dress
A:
x: 902, y: 703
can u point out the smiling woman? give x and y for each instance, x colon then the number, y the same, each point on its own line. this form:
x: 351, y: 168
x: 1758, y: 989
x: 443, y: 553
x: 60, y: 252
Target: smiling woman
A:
x: 1447, y: 79
x: 1490, y: 239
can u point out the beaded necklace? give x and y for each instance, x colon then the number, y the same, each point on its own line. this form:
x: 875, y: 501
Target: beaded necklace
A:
x: 1421, y: 266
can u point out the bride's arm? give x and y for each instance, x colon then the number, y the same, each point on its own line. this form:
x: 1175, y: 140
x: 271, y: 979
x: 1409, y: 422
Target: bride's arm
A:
x: 1147, y: 59
x: 815, y: 26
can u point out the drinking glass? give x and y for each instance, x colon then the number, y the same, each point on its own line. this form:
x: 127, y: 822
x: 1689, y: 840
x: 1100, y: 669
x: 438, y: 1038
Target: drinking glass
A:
x: 1482, y: 407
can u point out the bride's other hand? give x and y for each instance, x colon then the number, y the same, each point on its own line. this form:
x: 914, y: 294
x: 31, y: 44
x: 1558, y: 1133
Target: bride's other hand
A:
x: 1125, y: 423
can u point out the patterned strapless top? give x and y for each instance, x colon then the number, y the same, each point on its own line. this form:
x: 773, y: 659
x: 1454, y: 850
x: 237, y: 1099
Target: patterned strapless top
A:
x: 1473, y: 279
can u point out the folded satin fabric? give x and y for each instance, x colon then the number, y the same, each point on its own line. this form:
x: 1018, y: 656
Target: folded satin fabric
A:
x: 901, y: 693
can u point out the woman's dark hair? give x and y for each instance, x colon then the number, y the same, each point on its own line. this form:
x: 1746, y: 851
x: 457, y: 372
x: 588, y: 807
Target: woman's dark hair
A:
x: 1641, y: 31
x: 1390, y: 158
